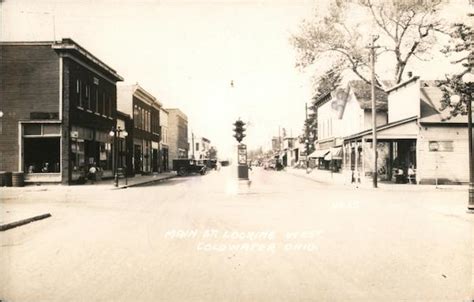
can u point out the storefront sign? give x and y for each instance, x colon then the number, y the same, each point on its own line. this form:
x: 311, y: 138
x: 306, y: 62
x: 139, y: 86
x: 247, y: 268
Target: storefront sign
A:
x: 440, y: 146
x: 74, y: 134
x: 242, y: 152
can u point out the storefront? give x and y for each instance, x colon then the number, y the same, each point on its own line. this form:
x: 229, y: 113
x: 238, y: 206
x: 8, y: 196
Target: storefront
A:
x: 142, y: 156
x: 90, y: 147
x: 396, y: 152
x: 155, y: 156
x: 40, y: 151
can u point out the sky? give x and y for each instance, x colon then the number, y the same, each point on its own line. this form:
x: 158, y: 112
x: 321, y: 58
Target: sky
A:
x: 187, y: 52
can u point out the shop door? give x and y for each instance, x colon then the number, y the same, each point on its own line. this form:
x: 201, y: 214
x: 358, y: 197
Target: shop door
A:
x: 137, y: 155
x: 165, y: 159
x: 154, y: 160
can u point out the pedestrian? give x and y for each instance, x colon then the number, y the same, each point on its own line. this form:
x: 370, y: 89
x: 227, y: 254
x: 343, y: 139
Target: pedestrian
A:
x: 411, y: 174
x: 92, y: 173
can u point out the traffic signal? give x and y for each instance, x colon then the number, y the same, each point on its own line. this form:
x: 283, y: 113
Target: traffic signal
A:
x: 239, y: 130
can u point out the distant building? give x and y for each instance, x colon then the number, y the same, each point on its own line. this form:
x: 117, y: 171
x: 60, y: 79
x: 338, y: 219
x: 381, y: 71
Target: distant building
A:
x: 276, y: 143
x: 59, y: 105
x: 290, y: 151
x: 145, y: 111
x: 177, y: 135
x: 164, y: 144
x: 200, y: 147
x: 345, y: 111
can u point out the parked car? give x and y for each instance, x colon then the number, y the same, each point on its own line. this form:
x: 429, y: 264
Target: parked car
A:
x: 187, y: 166
x: 211, y: 163
x: 225, y: 163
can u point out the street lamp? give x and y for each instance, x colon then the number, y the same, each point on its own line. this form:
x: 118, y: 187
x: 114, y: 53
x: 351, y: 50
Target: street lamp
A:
x: 468, y: 79
x: 115, y: 133
x: 307, y: 154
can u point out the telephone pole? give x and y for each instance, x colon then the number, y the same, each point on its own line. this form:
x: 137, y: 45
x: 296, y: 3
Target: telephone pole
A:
x: 372, y: 48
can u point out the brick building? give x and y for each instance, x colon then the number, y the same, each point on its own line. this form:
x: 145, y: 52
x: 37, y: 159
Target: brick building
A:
x: 59, y: 104
x: 164, y: 143
x: 177, y: 135
x: 145, y: 110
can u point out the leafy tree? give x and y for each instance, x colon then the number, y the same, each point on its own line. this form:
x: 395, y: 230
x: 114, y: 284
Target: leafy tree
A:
x: 461, y: 47
x: 406, y: 29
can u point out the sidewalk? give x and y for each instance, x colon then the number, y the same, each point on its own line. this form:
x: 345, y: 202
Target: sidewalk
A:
x: 135, y: 181
x: 20, y: 204
x: 329, y: 178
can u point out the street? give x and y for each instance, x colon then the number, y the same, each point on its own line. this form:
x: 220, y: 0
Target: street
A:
x: 211, y: 238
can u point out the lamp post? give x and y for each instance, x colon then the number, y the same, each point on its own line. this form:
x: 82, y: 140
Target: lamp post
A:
x: 467, y: 92
x: 115, y: 133
x: 307, y: 154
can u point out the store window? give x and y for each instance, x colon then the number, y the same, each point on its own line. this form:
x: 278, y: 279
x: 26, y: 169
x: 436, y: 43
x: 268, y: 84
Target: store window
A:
x: 41, y: 148
x: 41, y: 154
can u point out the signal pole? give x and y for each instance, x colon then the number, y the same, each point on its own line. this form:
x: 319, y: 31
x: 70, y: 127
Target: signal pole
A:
x: 242, y: 169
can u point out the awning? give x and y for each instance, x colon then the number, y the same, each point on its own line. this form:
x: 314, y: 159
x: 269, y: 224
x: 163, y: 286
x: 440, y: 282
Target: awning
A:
x: 319, y: 153
x: 334, y: 154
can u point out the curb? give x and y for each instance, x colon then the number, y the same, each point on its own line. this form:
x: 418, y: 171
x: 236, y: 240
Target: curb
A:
x: 144, y: 183
x: 18, y: 223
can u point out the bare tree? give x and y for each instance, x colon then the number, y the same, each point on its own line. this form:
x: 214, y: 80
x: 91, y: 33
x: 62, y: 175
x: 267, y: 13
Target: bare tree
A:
x: 406, y: 28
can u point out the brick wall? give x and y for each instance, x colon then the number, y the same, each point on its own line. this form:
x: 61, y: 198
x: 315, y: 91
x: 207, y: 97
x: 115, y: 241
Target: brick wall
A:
x: 29, y: 82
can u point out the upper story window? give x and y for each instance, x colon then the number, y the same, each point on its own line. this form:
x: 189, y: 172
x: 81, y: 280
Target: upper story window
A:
x: 79, y: 93
x: 87, y: 96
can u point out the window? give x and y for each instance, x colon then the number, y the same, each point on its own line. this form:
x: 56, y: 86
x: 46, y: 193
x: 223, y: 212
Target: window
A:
x: 88, y: 99
x: 41, y: 147
x: 97, y: 100
x: 136, y: 116
x: 148, y: 124
x: 42, y: 154
x: 32, y: 129
x: 109, y: 102
x: 107, y: 106
x: 79, y: 93
x: 93, y: 101
x: 100, y: 105
x: 104, y: 102
x: 197, y: 146
x: 49, y: 129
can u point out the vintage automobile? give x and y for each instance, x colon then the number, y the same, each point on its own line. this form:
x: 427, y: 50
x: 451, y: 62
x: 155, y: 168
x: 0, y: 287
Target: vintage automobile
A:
x: 187, y: 166
x: 211, y: 163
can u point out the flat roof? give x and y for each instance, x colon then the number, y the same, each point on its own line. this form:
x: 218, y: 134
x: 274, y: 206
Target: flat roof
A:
x: 68, y: 45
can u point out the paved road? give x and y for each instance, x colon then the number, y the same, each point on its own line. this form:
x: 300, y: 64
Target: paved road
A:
x: 283, y: 238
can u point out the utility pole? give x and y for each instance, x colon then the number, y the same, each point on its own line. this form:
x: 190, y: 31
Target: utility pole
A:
x: 374, y: 110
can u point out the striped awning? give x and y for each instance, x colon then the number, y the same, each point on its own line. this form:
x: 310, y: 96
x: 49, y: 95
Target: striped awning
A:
x: 319, y: 153
x: 334, y: 154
